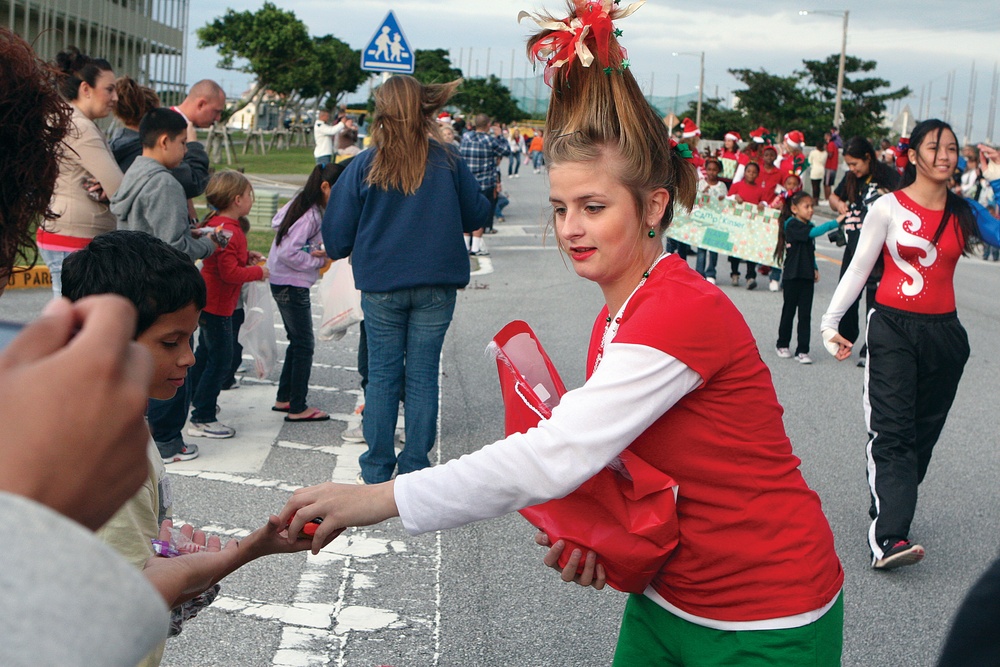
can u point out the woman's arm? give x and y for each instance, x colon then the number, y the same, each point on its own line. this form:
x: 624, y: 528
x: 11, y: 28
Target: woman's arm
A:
x: 633, y: 387
x: 870, y: 243
x: 97, y: 158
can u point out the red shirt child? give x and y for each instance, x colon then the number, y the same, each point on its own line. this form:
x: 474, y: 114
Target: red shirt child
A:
x: 227, y: 269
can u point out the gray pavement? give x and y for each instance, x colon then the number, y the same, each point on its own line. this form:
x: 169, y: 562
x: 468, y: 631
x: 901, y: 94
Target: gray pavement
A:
x: 479, y: 596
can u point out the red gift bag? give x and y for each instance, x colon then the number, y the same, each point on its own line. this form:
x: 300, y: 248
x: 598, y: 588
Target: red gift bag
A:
x: 626, y: 513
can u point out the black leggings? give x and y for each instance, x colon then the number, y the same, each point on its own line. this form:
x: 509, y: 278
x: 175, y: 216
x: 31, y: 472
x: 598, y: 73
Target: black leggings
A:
x: 798, y: 296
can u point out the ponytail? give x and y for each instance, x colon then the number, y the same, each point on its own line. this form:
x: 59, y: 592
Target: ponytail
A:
x: 597, y: 107
x: 310, y: 196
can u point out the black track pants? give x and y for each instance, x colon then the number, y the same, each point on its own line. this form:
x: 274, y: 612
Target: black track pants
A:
x: 914, y: 364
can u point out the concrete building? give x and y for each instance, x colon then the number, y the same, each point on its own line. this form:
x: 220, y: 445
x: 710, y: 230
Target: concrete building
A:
x: 141, y: 38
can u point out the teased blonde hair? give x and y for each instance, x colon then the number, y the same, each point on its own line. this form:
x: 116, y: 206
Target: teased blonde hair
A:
x: 593, y: 111
x: 402, y: 126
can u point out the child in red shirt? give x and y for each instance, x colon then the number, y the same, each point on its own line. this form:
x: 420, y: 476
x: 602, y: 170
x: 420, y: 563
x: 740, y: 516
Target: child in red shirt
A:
x: 748, y: 190
x: 770, y: 176
x: 230, y: 194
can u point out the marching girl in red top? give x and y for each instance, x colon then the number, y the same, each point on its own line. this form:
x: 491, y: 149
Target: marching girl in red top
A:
x: 770, y: 176
x: 917, y: 348
x: 673, y: 366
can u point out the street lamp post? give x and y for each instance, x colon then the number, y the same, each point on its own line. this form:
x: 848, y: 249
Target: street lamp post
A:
x: 837, y: 119
x: 701, y: 81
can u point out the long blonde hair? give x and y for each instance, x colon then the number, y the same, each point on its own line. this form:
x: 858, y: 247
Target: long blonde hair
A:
x: 402, y: 126
x: 601, y: 108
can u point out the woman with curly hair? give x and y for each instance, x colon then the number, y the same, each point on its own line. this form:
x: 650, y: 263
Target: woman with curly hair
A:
x: 32, y: 145
x: 754, y: 579
x: 88, y: 173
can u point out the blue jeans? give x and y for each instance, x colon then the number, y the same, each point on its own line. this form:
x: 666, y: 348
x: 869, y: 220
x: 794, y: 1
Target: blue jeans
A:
x: 54, y: 260
x: 166, y: 419
x: 513, y: 163
x: 700, y: 265
x: 296, y: 314
x: 538, y: 159
x: 502, y: 202
x: 211, y: 364
x: 775, y: 274
x: 405, y: 331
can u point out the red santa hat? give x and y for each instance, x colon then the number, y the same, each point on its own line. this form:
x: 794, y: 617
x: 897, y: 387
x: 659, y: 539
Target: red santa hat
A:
x: 444, y: 117
x: 689, y: 129
x: 795, y: 139
x: 758, y: 134
x: 733, y: 136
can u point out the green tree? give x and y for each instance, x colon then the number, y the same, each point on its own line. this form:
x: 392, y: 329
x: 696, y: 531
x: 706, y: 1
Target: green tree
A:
x: 335, y: 71
x: 434, y: 66
x: 271, y: 43
x: 487, y: 96
x: 779, y: 103
x: 716, y: 119
x: 864, y: 101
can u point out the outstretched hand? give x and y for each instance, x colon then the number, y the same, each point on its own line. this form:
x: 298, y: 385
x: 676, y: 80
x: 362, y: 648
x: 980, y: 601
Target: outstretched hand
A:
x: 184, y: 577
x: 593, y: 573
x: 844, y: 346
x: 340, y: 506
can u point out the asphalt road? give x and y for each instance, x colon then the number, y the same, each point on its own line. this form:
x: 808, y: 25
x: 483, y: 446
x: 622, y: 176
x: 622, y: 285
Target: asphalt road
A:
x: 479, y: 596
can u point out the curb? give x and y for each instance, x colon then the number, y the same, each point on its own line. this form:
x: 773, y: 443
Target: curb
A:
x: 35, y: 277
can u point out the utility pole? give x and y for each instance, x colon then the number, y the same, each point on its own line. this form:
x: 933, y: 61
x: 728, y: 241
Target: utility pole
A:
x: 993, y: 105
x: 930, y: 96
x: 946, y: 115
x: 486, y: 74
x: 971, y: 108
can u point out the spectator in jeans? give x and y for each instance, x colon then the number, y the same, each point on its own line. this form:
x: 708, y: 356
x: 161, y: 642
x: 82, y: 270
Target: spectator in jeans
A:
x: 400, y: 209
x: 482, y: 149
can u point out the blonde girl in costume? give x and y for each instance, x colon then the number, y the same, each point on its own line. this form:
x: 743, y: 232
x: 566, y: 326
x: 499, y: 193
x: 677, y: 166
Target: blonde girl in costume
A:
x: 755, y: 579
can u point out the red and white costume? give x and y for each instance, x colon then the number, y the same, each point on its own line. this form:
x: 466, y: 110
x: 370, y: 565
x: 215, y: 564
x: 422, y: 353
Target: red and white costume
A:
x: 673, y: 382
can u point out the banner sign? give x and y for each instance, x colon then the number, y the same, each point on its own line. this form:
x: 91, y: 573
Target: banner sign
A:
x: 737, y: 230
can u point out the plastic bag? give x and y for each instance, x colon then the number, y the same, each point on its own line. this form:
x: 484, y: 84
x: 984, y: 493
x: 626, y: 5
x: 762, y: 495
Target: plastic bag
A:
x: 626, y: 513
x: 341, y: 301
x: 257, y: 333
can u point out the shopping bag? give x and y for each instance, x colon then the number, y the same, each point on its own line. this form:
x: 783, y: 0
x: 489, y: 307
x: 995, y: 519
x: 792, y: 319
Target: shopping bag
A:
x: 626, y: 513
x: 341, y: 301
x: 257, y: 333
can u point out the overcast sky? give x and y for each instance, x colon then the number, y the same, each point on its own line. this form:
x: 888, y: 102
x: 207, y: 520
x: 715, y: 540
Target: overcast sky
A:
x: 916, y: 42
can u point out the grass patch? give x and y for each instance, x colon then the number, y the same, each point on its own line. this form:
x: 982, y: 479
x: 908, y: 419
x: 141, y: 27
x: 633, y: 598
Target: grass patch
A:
x: 260, y: 240
x: 296, y: 160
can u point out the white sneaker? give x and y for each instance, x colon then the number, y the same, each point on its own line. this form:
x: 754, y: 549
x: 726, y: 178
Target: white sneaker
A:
x: 359, y: 480
x: 711, y: 280
x: 211, y: 430
x: 187, y: 453
x: 803, y: 358
x: 774, y: 286
x: 355, y: 434
x: 783, y: 352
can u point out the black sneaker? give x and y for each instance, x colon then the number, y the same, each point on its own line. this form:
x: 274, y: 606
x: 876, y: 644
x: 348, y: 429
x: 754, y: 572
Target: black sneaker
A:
x: 751, y: 283
x: 902, y: 553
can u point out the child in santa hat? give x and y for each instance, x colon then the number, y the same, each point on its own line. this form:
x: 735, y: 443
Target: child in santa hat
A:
x: 793, y: 158
x: 733, y: 161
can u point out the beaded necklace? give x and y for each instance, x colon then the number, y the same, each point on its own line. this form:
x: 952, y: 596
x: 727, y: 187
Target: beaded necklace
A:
x: 611, y: 328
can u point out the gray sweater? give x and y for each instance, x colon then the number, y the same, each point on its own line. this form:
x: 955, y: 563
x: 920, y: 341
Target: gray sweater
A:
x: 151, y: 200
x: 68, y: 599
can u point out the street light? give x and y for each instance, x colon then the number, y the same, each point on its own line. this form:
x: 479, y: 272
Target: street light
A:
x: 701, y: 83
x: 843, y: 55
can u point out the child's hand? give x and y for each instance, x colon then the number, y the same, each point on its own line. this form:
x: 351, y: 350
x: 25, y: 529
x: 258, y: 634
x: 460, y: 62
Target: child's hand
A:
x: 255, y: 257
x: 267, y: 274
x: 319, y: 252
x: 593, y: 572
x: 339, y: 505
x: 272, y: 538
x: 815, y: 275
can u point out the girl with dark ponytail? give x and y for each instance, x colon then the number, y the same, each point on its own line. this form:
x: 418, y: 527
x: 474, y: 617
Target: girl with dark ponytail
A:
x: 295, y: 259
x: 672, y: 369
x: 917, y: 348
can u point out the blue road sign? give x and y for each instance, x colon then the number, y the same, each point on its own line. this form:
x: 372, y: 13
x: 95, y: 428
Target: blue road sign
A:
x: 388, y: 50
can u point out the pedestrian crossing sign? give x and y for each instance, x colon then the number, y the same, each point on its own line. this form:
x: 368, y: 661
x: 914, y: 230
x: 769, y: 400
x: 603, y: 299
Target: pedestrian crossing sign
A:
x: 388, y: 50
